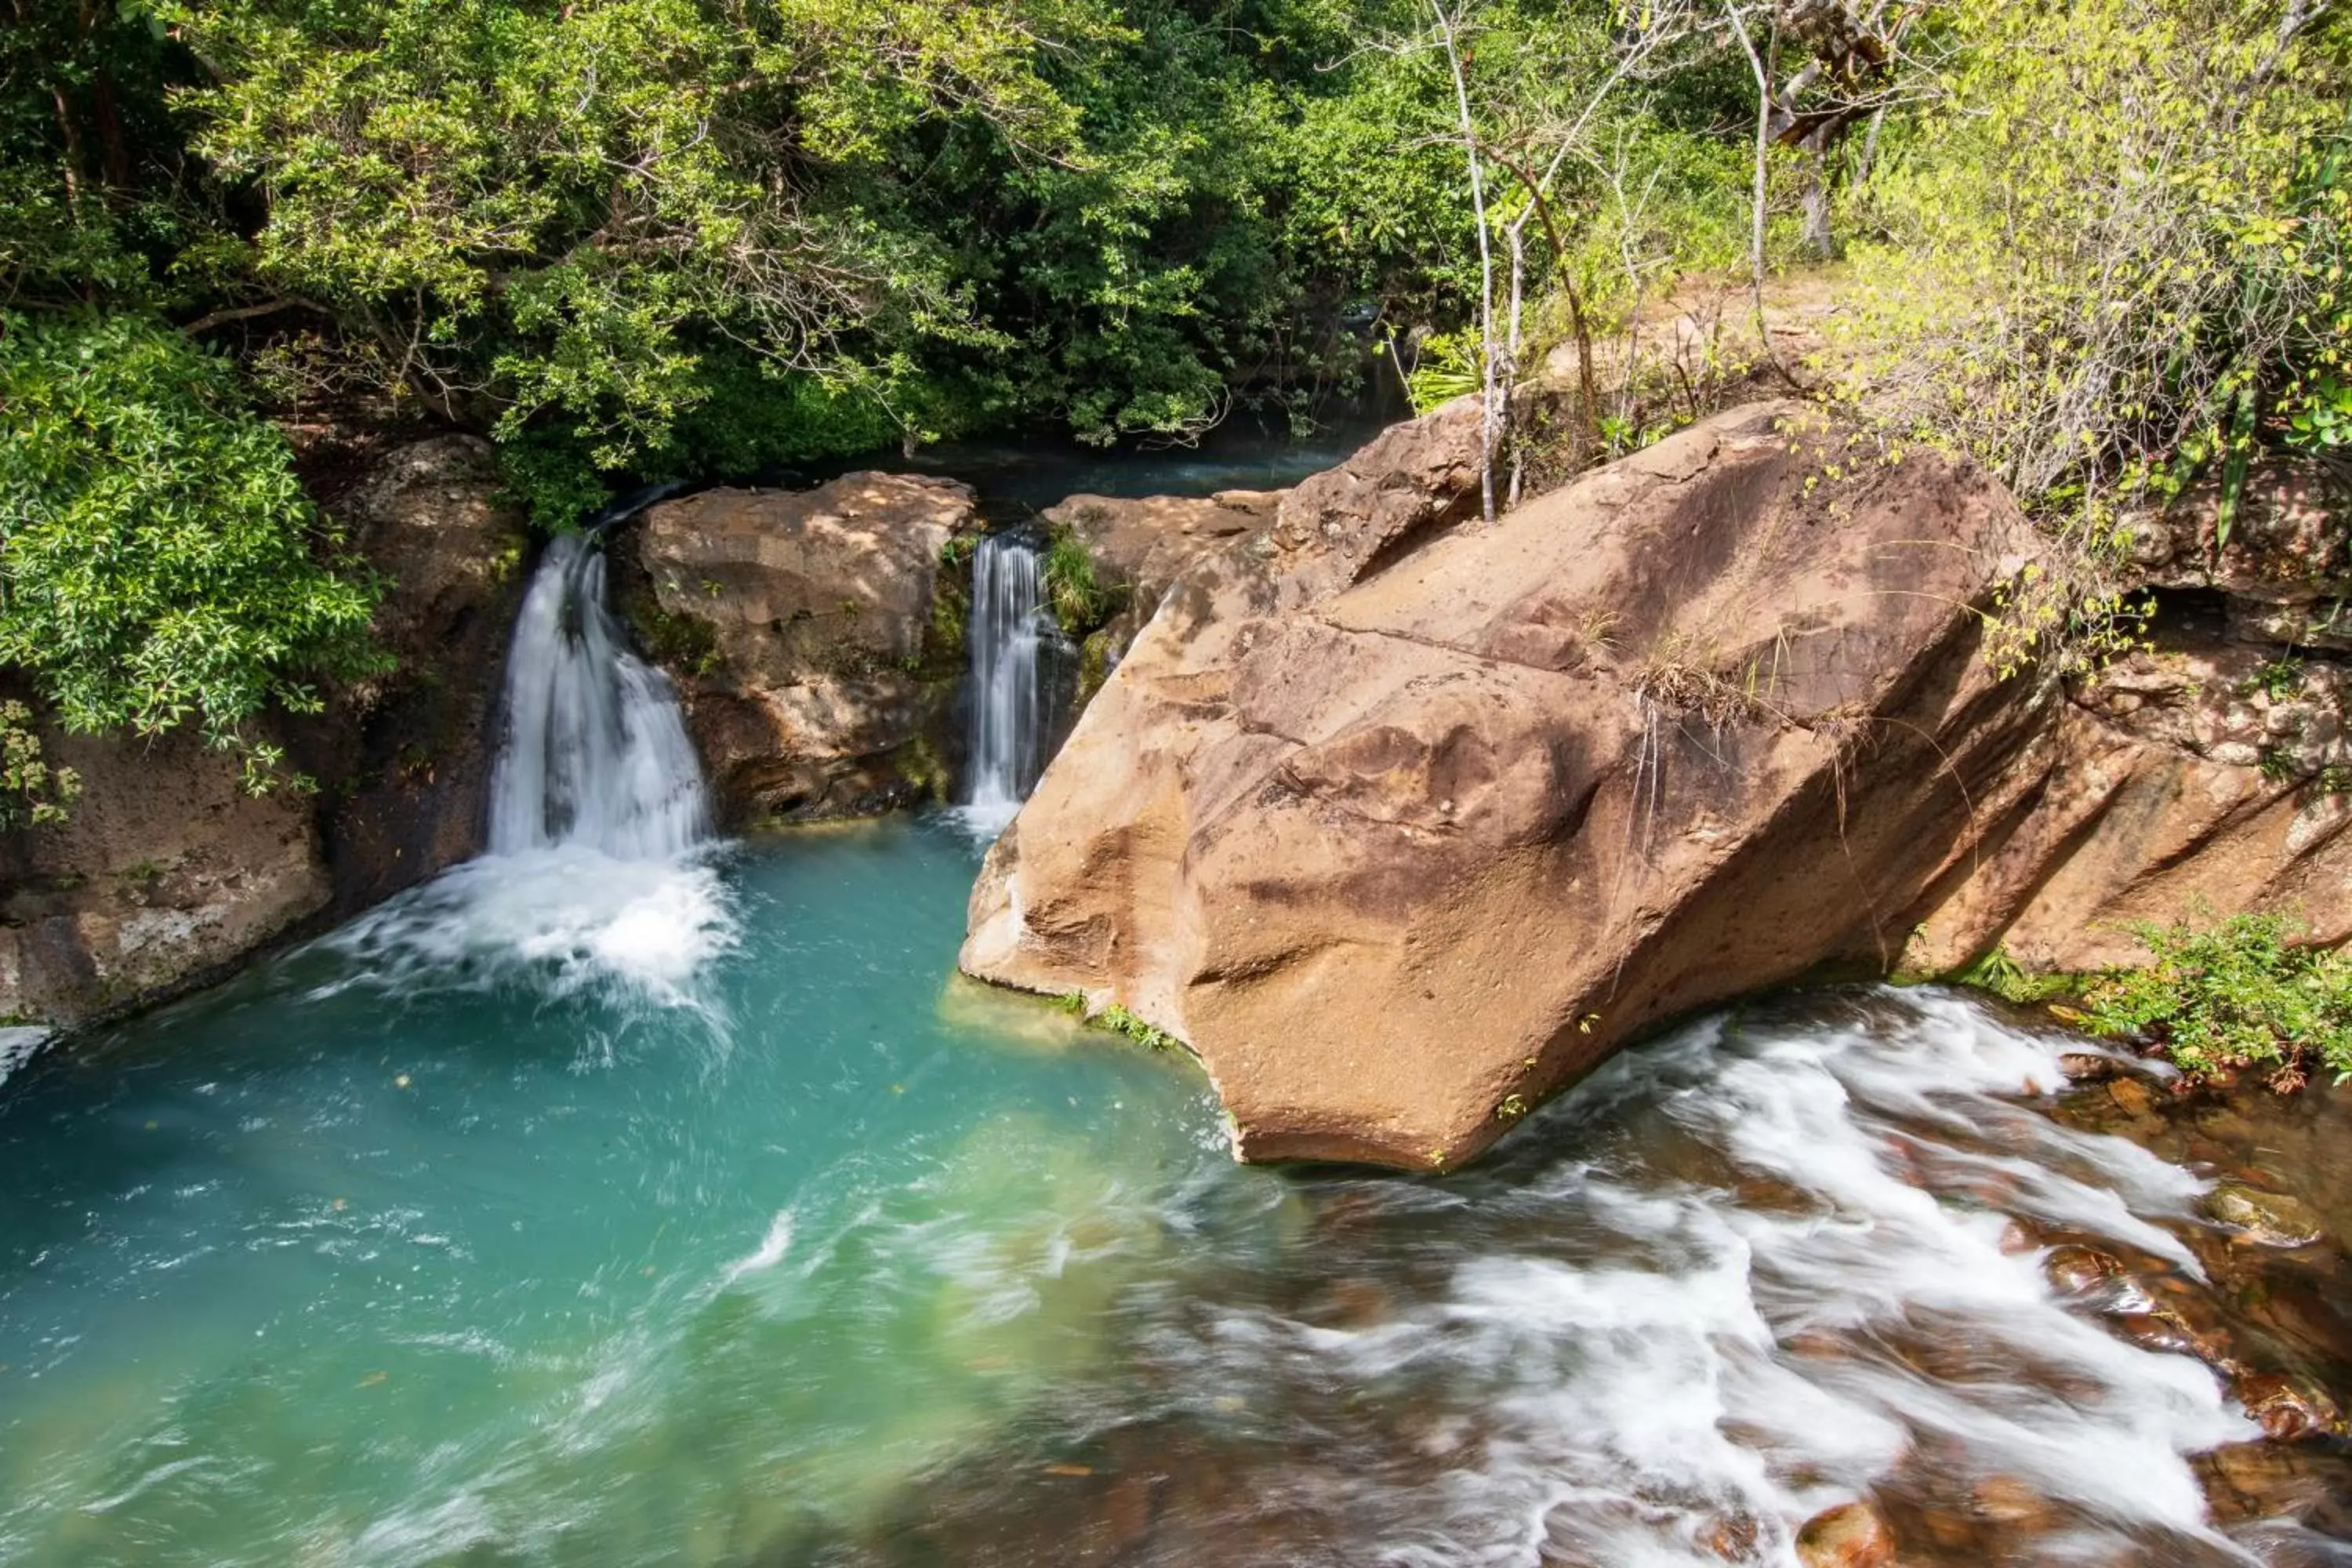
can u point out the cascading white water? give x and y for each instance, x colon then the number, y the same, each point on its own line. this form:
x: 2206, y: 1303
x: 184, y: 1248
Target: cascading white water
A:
x: 595, y: 753
x: 1009, y: 635
x: 594, y: 875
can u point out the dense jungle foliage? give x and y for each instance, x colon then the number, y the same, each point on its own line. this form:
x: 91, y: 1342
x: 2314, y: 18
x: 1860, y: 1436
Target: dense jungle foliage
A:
x: 2100, y: 244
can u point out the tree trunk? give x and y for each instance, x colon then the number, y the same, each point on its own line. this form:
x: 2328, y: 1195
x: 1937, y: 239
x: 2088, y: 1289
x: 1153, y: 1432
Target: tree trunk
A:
x: 1818, y: 238
x: 1491, y: 412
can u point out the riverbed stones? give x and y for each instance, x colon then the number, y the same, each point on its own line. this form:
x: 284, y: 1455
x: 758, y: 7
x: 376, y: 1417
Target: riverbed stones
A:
x: 1402, y: 820
x: 2264, y: 1219
x: 816, y: 635
x: 1851, y: 1535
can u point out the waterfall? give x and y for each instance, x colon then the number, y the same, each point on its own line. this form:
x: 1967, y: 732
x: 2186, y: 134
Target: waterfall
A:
x: 595, y: 753
x: 1009, y: 635
x: 595, y: 878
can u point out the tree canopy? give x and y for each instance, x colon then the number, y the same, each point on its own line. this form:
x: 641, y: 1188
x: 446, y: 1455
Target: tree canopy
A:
x: 2099, y: 243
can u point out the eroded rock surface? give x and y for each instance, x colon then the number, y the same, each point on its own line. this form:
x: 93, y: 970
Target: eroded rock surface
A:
x: 815, y: 642
x: 1403, y: 821
x: 2201, y: 778
x: 2285, y: 566
x: 409, y: 755
x: 166, y: 870
x: 1142, y: 547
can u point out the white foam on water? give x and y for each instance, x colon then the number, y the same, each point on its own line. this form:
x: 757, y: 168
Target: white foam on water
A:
x: 568, y: 919
x: 768, y: 1254
x: 599, y: 871
x: 18, y: 1045
x: 1667, y: 1354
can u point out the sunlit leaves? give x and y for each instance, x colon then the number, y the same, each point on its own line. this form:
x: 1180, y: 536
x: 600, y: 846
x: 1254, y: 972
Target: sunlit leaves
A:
x: 2110, y: 253
x: 159, y: 562
x: 550, y: 209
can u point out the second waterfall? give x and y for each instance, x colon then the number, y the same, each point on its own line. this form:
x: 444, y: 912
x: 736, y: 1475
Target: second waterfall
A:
x: 1011, y: 640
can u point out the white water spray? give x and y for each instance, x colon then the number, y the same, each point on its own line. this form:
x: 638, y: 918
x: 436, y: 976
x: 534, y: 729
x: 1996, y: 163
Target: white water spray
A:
x: 597, y: 810
x: 1009, y: 633
x: 1801, y: 1278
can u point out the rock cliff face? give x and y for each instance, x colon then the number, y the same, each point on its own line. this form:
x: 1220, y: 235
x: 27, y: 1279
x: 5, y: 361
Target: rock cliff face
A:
x: 816, y: 635
x: 1142, y: 547
x: 1403, y: 822
x: 2201, y: 778
x: 2205, y: 775
x: 2281, y: 572
x: 167, y: 871
x: 405, y: 762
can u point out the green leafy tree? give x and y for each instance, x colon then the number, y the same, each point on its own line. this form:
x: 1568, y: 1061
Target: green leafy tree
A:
x: 536, y: 211
x: 2116, y: 248
x: 93, y: 198
x: 159, y: 562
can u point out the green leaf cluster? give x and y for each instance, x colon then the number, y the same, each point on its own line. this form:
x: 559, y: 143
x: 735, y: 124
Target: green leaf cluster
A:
x: 160, y: 563
x: 2235, y: 995
x: 1079, y: 600
x: 2114, y: 250
x: 32, y: 792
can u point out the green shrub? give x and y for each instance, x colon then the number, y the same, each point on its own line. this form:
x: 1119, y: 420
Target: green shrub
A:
x: 2112, y: 252
x: 1120, y: 1021
x: 159, y: 562
x: 31, y: 791
x: 2002, y: 975
x: 742, y: 421
x: 2233, y: 996
x: 1079, y: 601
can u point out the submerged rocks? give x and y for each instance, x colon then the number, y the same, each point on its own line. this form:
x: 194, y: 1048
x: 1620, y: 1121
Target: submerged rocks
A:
x: 2264, y: 1219
x: 815, y: 641
x: 1403, y: 821
x: 1851, y: 1535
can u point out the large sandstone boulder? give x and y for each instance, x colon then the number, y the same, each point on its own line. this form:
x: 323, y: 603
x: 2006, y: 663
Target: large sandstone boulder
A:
x: 816, y: 637
x: 1403, y: 822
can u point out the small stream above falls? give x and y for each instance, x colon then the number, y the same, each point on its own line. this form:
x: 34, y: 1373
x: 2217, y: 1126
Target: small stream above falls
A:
x: 629, y: 1196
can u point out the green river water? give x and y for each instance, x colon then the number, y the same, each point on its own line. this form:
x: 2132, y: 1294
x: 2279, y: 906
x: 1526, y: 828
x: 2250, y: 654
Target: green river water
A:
x: 318, y: 1268
x: 581, y: 1212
